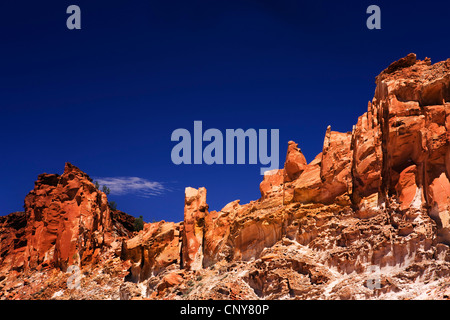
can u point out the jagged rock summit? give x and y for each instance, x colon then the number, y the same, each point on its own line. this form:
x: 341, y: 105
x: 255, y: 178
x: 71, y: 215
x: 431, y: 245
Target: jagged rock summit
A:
x: 67, y: 221
x: 368, y: 218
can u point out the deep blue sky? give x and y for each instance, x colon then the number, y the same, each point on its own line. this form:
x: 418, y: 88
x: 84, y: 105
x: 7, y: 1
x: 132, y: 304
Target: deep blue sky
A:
x: 107, y: 97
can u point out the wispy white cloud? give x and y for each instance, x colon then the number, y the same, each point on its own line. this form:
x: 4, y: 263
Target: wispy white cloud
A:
x: 132, y: 185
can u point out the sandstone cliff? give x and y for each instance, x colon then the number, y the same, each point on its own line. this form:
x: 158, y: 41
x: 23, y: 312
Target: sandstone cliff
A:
x: 367, y: 218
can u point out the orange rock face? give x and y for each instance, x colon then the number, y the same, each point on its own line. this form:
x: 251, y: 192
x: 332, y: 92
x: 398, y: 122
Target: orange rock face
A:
x: 272, y: 183
x: 371, y: 208
x: 398, y: 148
x: 413, y: 101
x: 367, y: 154
x: 335, y: 169
x: 67, y: 221
x: 12, y: 242
x: 217, y: 234
x: 155, y: 247
x: 195, y: 211
x: 295, y: 161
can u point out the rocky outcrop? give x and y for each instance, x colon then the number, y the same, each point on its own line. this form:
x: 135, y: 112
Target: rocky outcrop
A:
x: 12, y: 242
x: 367, y: 155
x: 376, y: 196
x: 195, y: 211
x: 367, y: 218
x: 414, y: 99
x: 217, y: 241
x: 153, y: 249
x: 295, y: 162
x: 336, y: 165
x: 67, y: 221
x: 273, y: 183
x: 398, y: 150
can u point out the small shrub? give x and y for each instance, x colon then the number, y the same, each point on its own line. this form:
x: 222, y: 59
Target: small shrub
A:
x: 138, y: 224
x: 113, y: 205
x: 106, y: 190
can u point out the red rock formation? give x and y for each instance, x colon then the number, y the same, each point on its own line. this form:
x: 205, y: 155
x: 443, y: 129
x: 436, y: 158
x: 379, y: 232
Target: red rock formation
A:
x: 413, y: 98
x: 373, y: 205
x: 66, y: 221
x: 367, y: 155
x: 295, y: 161
x: 272, y: 183
x: 155, y: 247
x: 398, y: 148
x: 335, y: 169
x: 393, y: 166
x: 391, y: 169
x: 195, y: 211
x: 12, y: 241
x: 217, y: 234
x: 328, y: 176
